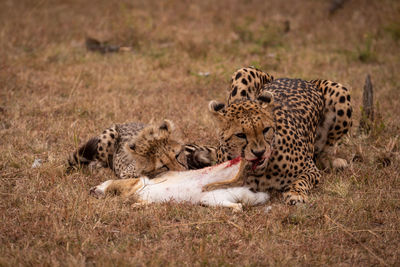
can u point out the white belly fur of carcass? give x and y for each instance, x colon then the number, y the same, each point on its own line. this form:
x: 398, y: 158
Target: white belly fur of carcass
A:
x: 187, y: 186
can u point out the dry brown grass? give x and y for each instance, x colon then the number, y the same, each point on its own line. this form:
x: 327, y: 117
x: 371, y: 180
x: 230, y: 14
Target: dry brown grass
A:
x: 54, y: 94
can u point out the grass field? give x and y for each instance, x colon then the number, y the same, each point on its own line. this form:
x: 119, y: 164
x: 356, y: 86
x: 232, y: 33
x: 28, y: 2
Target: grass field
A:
x: 54, y: 95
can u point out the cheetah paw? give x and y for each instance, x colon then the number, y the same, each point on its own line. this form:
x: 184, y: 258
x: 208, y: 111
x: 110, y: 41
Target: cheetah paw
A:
x: 294, y: 198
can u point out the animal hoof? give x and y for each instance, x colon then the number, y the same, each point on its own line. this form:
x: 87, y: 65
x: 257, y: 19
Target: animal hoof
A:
x: 94, y: 192
x: 100, y: 190
x: 238, y: 207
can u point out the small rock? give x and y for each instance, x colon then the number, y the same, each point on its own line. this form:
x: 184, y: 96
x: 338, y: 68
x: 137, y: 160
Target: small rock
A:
x: 36, y: 163
x: 267, y: 209
x: 204, y: 74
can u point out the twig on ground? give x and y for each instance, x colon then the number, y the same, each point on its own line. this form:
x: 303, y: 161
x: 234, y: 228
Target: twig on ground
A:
x: 190, y: 224
x: 235, y: 225
x: 348, y: 232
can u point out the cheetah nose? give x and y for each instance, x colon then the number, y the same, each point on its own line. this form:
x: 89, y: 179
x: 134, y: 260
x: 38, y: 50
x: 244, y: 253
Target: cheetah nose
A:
x: 258, y: 153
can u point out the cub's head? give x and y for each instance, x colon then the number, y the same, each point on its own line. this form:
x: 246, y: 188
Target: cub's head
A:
x: 246, y: 128
x: 156, y: 149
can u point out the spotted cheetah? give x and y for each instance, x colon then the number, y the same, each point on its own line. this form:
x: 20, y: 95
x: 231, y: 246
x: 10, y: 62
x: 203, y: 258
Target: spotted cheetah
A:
x: 133, y: 150
x: 283, y: 128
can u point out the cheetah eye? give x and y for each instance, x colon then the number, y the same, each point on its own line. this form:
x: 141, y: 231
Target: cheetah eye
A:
x: 241, y: 135
x: 266, y: 130
x: 133, y: 146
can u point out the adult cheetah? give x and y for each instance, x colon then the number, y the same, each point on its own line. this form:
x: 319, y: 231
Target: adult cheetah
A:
x: 282, y: 127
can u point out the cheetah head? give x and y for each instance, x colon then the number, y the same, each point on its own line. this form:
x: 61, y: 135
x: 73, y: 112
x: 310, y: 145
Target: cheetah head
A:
x: 157, y: 149
x: 246, y: 129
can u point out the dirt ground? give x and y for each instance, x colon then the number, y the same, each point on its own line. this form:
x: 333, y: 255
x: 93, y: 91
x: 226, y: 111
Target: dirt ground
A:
x: 54, y: 94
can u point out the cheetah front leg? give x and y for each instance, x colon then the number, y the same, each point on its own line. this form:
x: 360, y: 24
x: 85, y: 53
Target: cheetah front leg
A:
x: 124, y: 188
x: 297, y: 192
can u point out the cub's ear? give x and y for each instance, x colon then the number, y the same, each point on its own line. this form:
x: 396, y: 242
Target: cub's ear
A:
x: 215, y: 107
x: 266, y: 97
x: 167, y: 126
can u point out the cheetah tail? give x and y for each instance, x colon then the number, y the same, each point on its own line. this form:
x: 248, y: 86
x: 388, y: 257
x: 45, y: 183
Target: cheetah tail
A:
x: 84, y: 154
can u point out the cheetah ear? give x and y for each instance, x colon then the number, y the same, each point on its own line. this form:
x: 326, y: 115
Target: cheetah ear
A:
x: 215, y: 107
x: 167, y: 126
x: 164, y: 130
x: 266, y: 97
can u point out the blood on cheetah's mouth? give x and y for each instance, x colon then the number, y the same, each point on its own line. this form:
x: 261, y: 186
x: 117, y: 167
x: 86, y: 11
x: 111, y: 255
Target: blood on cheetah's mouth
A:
x: 256, y: 162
